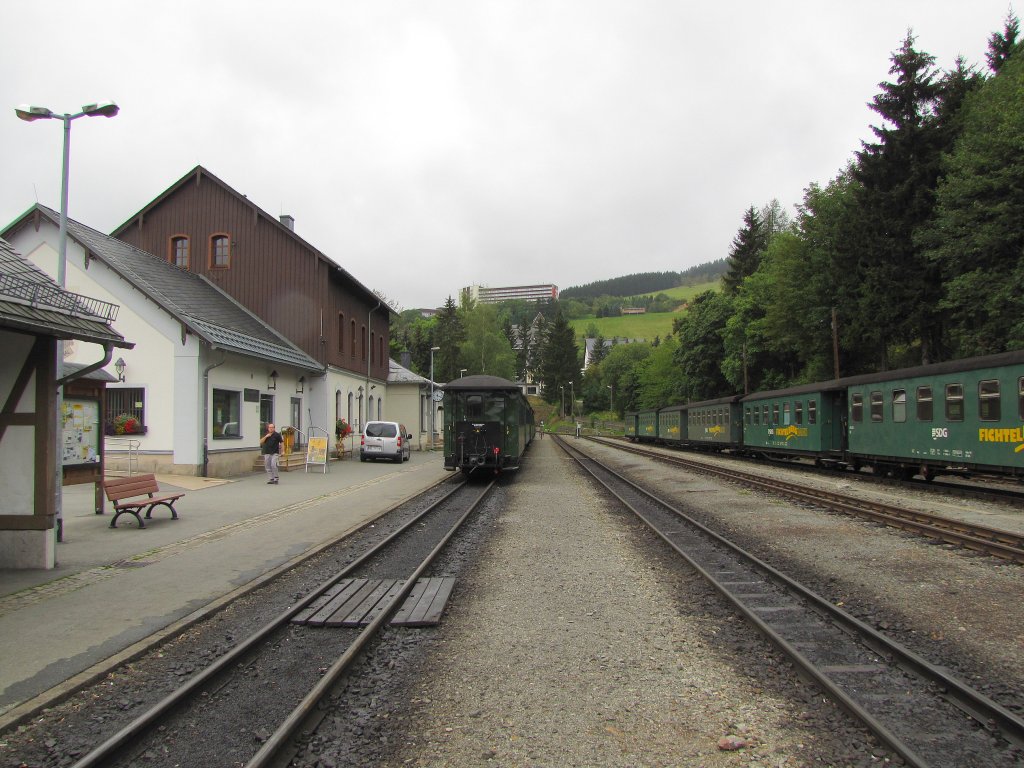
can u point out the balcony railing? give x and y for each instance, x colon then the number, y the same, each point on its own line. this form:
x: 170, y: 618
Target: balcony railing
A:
x: 50, y: 296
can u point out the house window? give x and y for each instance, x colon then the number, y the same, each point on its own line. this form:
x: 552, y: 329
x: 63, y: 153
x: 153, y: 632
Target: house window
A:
x: 227, y: 410
x: 352, y: 337
x: 179, y: 251
x: 220, y: 252
x: 341, y: 333
x: 877, y: 406
x: 126, y: 411
x: 373, y: 345
x: 924, y: 404
x: 899, y: 405
x: 380, y: 348
x: 954, y: 402
x: 363, y: 328
x: 988, y: 400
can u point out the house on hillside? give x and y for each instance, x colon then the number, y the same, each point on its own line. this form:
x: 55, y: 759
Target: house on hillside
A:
x: 201, y: 225
x: 35, y: 313
x: 590, y: 343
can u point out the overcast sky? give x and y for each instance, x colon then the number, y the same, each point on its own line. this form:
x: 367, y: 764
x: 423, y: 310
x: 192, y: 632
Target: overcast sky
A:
x: 430, y: 145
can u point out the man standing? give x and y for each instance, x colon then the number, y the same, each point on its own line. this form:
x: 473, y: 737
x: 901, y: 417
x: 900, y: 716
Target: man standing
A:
x: 270, y: 447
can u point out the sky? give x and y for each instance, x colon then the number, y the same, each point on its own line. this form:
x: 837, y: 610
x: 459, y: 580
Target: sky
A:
x: 427, y: 145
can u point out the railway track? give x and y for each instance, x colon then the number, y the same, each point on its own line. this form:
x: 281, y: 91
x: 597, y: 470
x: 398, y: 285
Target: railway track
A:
x: 977, y: 538
x: 317, y: 639
x: 912, y: 706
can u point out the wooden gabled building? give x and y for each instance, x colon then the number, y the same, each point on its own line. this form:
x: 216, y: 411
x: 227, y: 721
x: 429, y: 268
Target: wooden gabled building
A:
x: 202, y: 225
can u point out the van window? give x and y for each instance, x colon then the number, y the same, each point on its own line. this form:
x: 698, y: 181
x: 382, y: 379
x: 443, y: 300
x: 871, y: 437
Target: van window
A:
x: 381, y: 429
x: 988, y: 400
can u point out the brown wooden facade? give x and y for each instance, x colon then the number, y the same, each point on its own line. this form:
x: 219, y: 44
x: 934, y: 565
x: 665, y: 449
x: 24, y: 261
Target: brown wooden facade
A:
x: 266, y: 267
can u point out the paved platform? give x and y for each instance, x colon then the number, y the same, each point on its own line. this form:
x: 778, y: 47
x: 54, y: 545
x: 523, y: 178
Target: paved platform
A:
x: 115, y: 588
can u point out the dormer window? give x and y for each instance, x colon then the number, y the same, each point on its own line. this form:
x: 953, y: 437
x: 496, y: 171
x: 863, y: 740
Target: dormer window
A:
x: 179, y: 251
x: 220, y: 252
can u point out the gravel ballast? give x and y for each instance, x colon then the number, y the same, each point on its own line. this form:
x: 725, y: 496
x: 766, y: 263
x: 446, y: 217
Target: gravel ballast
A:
x: 570, y: 644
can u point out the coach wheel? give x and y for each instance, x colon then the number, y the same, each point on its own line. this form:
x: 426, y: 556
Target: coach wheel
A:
x: 927, y: 473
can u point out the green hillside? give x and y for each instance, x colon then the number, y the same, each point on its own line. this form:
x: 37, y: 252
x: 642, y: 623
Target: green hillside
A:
x: 641, y: 326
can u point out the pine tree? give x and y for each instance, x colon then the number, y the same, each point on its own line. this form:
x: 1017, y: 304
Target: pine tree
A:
x: 1000, y: 46
x: 449, y: 334
x: 747, y: 249
x: 560, y: 361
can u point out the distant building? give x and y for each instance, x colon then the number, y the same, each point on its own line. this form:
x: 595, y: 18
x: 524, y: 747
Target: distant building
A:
x: 633, y: 311
x: 486, y: 295
x: 588, y: 354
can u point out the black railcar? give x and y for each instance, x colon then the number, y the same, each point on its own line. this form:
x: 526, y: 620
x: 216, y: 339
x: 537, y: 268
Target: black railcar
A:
x: 488, y: 425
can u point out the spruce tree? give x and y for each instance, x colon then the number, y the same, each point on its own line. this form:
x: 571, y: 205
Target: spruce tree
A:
x: 746, y: 251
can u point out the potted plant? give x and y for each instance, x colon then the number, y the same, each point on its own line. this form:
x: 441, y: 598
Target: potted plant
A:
x: 126, y: 424
x: 341, y: 431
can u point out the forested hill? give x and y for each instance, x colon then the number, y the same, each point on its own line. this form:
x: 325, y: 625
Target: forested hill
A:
x: 647, y: 282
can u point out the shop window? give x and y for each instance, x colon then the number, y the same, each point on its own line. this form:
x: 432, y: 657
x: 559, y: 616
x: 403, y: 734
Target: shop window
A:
x: 126, y: 411
x: 227, y: 411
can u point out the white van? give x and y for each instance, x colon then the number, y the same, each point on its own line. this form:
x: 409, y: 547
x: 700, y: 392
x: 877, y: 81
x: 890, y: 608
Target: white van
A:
x: 385, y: 440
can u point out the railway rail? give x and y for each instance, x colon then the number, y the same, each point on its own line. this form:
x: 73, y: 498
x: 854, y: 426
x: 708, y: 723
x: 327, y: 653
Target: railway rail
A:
x: 912, y: 706
x: 978, y: 538
x: 303, y: 640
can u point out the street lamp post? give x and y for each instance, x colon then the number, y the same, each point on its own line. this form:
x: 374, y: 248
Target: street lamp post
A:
x: 30, y: 114
x: 433, y: 405
x: 611, y: 398
x: 572, y: 401
x: 562, y: 387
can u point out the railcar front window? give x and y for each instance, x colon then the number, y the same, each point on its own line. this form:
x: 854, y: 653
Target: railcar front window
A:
x: 857, y: 407
x: 954, y: 402
x: 924, y: 404
x: 899, y: 405
x: 988, y: 400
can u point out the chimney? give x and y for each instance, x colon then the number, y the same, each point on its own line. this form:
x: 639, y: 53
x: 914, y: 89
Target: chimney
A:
x: 288, y: 221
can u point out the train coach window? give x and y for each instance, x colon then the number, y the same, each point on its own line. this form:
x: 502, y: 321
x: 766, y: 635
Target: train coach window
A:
x: 775, y: 413
x: 1020, y: 397
x: 746, y: 415
x: 899, y: 405
x: 924, y: 404
x: 764, y: 415
x: 757, y: 411
x: 988, y: 400
x: 877, y: 406
x: 955, y: 402
x: 798, y: 412
x: 812, y: 411
x: 857, y: 407
x: 785, y: 415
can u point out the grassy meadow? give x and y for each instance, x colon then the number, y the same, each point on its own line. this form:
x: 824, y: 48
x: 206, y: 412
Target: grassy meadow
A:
x: 645, y: 326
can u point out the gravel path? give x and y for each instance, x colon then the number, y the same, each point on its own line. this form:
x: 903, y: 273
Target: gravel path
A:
x: 571, y: 646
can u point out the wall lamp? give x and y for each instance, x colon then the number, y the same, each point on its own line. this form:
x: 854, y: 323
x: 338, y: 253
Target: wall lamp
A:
x: 300, y: 385
x: 119, y: 366
x: 272, y: 380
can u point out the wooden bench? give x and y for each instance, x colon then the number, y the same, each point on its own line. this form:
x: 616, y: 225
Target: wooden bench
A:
x: 123, y: 490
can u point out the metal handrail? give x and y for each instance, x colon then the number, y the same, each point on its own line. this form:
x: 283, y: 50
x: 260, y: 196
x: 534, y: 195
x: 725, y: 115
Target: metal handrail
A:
x: 131, y: 448
x: 42, y: 294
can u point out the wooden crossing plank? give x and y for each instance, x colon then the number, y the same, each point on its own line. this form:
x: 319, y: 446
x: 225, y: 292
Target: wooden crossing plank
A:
x: 353, y: 613
x: 344, y: 587
x: 357, y: 602
x: 348, y: 597
x: 425, y: 606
